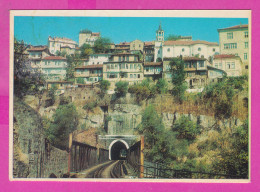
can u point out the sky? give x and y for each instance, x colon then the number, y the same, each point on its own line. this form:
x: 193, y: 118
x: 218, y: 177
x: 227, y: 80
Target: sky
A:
x: 36, y: 30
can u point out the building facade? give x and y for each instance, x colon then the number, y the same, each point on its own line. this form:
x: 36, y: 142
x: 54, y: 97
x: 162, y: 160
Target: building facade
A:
x: 153, y: 70
x: 54, y: 68
x: 98, y: 58
x: 235, y: 40
x: 36, y: 54
x: 231, y: 64
x: 89, y: 74
x: 55, y: 44
x: 137, y: 45
x: 88, y: 37
x: 123, y: 67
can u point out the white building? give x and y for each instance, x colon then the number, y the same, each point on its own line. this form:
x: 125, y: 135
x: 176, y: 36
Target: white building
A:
x: 186, y: 48
x: 56, y: 43
x: 97, y: 58
x: 54, y: 68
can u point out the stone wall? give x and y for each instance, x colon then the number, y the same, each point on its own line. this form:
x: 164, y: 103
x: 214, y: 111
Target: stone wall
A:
x: 33, y: 156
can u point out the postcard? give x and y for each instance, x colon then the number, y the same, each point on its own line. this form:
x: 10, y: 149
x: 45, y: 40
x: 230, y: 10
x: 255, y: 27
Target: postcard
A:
x: 132, y: 96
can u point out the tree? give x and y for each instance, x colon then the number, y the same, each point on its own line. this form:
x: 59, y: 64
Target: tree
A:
x: 186, y: 129
x: 102, y: 45
x: 85, y: 50
x: 65, y: 121
x: 26, y: 79
x: 158, y: 141
x: 104, y: 85
x: 121, y: 88
x: 72, y: 62
x: 80, y: 80
x: 173, y: 37
x: 52, y: 94
x: 159, y: 59
x: 161, y: 86
x: 178, y: 78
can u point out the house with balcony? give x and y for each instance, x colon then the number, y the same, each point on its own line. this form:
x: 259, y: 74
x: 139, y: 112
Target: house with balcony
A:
x: 54, y: 68
x: 196, y: 72
x: 153, y: 70
x: 215, y: 74
x: 123, y: 67
x: 97, y: 58
x: 88, y: 74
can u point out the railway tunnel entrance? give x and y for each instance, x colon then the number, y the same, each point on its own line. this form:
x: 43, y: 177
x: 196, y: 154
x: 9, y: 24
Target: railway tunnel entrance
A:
x: 118, y: 150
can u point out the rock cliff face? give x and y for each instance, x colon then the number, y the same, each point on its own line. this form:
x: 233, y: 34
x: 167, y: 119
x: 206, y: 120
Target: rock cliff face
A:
x: 33, y: 156
x: 124, y: 119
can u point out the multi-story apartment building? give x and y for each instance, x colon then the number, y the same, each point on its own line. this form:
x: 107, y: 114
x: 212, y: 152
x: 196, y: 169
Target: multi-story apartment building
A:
x: 153, y: 70
x: 88, y: 37
x: 56, y: 43
x: 231, y: 64
x: 54, y: 68
x: 89, y: 73
x: 235, y: 40
x: 123, y: 67
x: 36, y: 53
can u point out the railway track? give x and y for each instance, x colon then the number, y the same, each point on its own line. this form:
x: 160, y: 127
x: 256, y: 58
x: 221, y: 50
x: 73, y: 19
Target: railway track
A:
x: 113, y: 169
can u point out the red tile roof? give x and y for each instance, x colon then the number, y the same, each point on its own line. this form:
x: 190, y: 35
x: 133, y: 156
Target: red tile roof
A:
x: 224, y: 56
x: 54, y: 58
x: 236, y: 27
x: 124, y: 43
x: 89, y: 67
x: 189, y: 42
x: 37, y: 49
x: 148, y: 43
x: 96, y: 34
x: 152, y: 63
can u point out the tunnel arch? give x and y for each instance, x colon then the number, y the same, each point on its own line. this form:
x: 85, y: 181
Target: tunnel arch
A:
x: 114, y: 142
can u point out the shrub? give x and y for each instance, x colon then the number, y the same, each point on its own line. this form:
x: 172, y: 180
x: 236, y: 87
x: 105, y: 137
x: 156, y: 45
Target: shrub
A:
x: 121, y: 88
x: 90, y: 106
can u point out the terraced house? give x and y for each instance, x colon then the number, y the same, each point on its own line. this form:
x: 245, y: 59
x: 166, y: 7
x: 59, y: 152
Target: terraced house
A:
x: 123, y: 67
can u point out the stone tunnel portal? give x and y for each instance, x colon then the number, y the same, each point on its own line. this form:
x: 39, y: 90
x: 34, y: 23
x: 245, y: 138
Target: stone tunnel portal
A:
x: 118, y: 149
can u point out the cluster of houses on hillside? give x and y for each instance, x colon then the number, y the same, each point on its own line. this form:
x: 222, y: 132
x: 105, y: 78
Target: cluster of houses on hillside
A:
x: 134, y: 61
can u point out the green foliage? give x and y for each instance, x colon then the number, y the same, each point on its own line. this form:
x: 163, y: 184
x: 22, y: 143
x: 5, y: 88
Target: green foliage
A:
x: 161, y: 86
x: 65, y: 121
x: 159, y: 59
x: 85, y: 50
x: 186, y: 129
x: 143, y: 91
x: 52, y: 93
x: 173, y: 37
x: 72, y: 62
x: 25, y: 81
x: 121, y: 88
x: 104, y: 85
x: 178, y: 78
x: 234, y: 160
x: 102, y: 45
x: 90, y: 106
x: 80, y: 80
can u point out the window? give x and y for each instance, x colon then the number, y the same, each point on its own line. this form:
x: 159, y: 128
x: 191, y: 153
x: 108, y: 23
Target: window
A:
x: 123, y: 66
x: 158, y: 51
x: 233, y: 65
x: 228, y: 65
x: 139, y: 76
x: 230, y: 35
x: 127, y: 58
x: 201, y: 63
x: 183, y: 50
x: 108, y: 67
x: 246, y: 67
x: 131, y: 75
x: 134, y: 75
x: 168, y: 49
x: 245, y: 56
x: 246, y: 34
x: 230, y: 46
x: 199, y: 49
x: 246, y: 44
x: 131, y: 66
x: 135, y: 66
x: 147, y: 69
